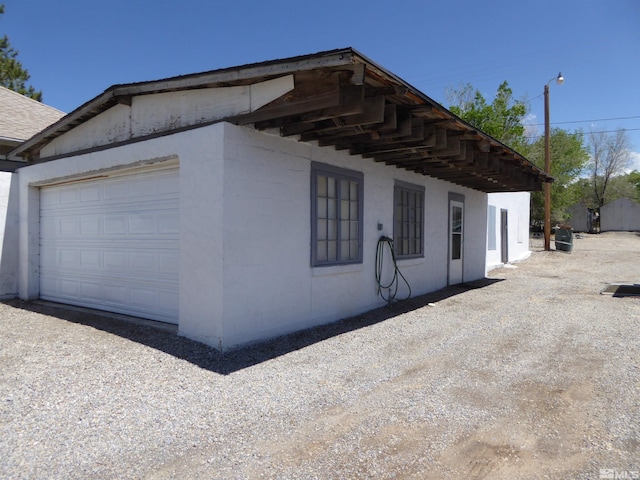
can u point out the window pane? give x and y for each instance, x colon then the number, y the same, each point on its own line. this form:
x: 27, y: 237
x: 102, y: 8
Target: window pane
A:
x: 353, y: 249
x: 344, y: 209
x: 353, y: 230
x: 353, y: 194
x: 456, y: 222
x: 331, y: 208
x: 331, y: 188
x: 332, y: 250
x: 322, y: 186
x: 456, y: 246
x: 353, y: 214
x: 321, y: 253
x: 344, y: 230
x: 344, y: 250
x: 344, y: 189
x: 322, y: 208
x: 322, y: 230
x: 332, y: 229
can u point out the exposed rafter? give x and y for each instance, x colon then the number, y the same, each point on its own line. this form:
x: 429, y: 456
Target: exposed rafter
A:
x: 343, y: 100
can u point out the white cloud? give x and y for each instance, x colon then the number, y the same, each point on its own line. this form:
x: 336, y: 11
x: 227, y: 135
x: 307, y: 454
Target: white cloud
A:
x: 634, y: 162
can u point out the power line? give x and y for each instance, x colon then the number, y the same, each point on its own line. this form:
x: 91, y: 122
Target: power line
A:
x: 603, y: 131
x: 587, y: 121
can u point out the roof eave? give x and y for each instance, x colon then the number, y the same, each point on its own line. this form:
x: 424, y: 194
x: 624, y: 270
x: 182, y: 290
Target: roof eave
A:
x: 385, y: 85
x: 233, y: 75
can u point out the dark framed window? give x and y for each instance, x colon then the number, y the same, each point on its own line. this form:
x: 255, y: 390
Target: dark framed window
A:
x: 408, y: 220
x: 336, y: 215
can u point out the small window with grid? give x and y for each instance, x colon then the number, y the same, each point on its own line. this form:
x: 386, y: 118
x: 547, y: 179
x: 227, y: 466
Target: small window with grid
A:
x: 336, y: 215
x: 408, y: 231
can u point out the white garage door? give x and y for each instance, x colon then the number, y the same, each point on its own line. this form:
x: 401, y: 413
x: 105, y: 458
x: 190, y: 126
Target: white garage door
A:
x: 113, y: 244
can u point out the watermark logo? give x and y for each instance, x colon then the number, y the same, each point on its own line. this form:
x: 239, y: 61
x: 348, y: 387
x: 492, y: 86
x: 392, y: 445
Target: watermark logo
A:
x: 613, y: 474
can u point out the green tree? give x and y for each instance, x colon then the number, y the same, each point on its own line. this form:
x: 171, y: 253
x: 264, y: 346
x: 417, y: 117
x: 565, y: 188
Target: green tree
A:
x: 502, y: 118
x: 569, y: 156
x: 623, y: 186
x: 12, y: 75
x: 634, y: 179
x: 620, y: 186
x: 609, y: 158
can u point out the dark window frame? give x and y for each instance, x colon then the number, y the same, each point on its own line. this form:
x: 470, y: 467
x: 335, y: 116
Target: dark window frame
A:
x: 339, y: 175
x: 408, y: 227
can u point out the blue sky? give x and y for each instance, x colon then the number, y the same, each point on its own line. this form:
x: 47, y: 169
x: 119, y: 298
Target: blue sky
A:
x: 75, y: 49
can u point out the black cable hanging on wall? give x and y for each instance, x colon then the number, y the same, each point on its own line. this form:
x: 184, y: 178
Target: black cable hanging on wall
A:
x: 393, y: 285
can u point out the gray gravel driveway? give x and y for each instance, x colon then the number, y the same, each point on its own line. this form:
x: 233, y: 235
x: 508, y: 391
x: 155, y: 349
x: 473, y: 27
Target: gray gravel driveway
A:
x: 529, y: 374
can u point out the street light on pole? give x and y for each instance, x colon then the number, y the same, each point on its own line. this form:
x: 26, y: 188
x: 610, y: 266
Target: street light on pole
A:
x: 547, y: 163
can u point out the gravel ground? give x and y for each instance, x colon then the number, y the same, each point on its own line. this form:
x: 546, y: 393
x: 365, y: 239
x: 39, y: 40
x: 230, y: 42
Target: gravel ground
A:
x: 531, y: 373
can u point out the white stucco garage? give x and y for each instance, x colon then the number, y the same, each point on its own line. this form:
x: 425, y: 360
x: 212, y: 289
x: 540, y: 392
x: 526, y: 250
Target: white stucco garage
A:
x: 249, y: 202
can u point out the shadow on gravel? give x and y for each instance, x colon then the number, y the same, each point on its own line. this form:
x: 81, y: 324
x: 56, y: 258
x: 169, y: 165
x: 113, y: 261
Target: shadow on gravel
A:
x: 166, y: 340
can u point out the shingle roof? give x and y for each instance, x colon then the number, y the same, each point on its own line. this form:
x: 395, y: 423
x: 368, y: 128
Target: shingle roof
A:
x: 22, y: 117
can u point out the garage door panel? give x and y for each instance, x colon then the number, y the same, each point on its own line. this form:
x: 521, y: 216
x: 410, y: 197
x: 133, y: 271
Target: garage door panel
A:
x: 90, y: 225
x: 115, y: 294
x: 67, y: 197
x: 90, y: 194
x: 91, y: 259
x: 67, y: 288
x: 168, y: 264
x: 169, y: 223
x: 68, y: 226
x: 115, y: 261
x: 68, y: 258
x: 113, y: 244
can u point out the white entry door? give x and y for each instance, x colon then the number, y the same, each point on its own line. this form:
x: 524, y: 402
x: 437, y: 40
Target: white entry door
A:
x: 456, y: 241
x: 113, y: 244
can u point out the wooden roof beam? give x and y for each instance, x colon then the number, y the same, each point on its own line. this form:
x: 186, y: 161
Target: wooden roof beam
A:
x: 451, y: 147
x: 373, y: 112
x: 325, y: 101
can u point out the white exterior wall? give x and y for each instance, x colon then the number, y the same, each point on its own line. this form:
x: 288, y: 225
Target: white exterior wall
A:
x: 162, y: 112
x: 199, y: 154
x: 620, y: 215
x: 270, y: 287
x: 8, y: 234
x: 518, y: 206
x: 245, y: 271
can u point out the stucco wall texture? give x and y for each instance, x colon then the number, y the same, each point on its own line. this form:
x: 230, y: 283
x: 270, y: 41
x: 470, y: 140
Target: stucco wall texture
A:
x: 245, y: 271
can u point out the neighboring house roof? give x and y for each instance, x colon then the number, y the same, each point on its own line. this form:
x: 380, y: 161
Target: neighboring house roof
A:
x: 339, y: 98
x: 22, y: 117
